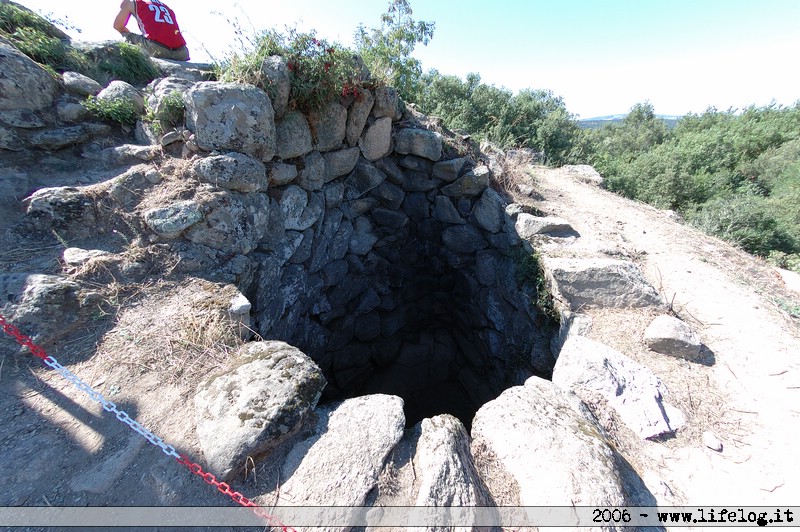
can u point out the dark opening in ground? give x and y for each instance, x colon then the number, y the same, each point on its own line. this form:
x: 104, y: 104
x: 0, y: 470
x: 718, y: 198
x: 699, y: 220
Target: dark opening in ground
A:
x: 445, y: 329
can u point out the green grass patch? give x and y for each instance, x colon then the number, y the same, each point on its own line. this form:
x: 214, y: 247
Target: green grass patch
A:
x: 319, y: 71
x: 118, y: 110
x: 42, y: 41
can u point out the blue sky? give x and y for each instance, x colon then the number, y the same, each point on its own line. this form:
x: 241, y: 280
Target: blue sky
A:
x: 601, y: 56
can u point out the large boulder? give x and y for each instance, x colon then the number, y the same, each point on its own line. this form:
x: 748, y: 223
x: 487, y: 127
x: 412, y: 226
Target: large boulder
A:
x: 377, y: 140
x: 276, y: 72
x: 607, y: 381
x: 544, y: 450
x: 339, y: 462
x: 24, y: 84
x: 68, y: 210
x: 232, y: 222
x: 294, y: 136
x: 600, y: 283
x: 232, y: 116
x: 357, y: 116
x: 328, y: 126
x: 46, y: 307
x: 79, y: 84
x: 250, y: 409
x: 432, y: 466
x: 124, y: 92
x: 527, y: 225
x: 670, y: 336
x: 420, y: 142
x: 232, y: 171
x: 473, y: 183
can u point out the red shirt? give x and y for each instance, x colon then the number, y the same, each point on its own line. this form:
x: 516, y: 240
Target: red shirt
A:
x: 158, y: 23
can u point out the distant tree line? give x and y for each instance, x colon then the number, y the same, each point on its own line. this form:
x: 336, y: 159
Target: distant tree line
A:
x: 735, y: 175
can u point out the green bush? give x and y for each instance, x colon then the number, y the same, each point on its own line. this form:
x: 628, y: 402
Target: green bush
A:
x: 745, y: 220
x: 170, y: 113
x: 319, y: 71
x: 41, y: 41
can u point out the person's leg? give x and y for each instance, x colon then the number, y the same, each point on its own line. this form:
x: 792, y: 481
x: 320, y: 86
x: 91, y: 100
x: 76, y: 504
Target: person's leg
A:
x: 157, y: 50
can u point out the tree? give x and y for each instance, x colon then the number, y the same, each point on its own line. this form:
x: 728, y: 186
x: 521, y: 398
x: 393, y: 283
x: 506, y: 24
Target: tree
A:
x: 387, y: 50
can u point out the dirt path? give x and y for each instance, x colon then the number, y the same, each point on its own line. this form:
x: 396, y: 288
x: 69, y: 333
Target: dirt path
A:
x: 748, y: 397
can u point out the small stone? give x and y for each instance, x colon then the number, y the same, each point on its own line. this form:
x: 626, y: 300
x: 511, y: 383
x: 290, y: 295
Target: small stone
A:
x: 670, y: 336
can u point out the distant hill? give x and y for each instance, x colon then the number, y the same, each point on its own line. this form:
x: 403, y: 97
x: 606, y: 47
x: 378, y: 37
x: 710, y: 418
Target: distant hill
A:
x: 600, y: 121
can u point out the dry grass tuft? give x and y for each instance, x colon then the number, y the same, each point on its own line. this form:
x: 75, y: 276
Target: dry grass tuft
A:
x: 184, y: 335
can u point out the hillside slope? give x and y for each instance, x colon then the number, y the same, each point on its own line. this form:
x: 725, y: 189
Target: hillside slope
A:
x: 748, y: 389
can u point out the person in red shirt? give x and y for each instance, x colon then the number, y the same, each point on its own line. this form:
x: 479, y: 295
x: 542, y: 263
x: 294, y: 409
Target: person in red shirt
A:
x: 161, y: 37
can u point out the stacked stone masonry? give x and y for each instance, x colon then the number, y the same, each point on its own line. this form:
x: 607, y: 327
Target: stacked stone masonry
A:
x: 386, y: 263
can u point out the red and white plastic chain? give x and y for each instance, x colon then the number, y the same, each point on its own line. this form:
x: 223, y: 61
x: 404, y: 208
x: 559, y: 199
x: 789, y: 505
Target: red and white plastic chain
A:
x: 123, y: 416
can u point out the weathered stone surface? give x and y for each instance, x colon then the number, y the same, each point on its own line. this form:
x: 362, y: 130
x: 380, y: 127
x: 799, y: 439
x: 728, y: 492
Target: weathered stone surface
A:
x: 357, y: 116
x: 445, y: 211
x: 377, y: 140
x: 421, y: 142
x: 293, y: 136
x: 281, y: 174
x: 21, y: 118
x: 333, y: 194
x: 170, y: 221
x: 449, y: 170
x: 393, y: 172
x: 363, y: 237
x: 539, y: 422
x: 232, y: 222
x: 473, y: 183
x: 606, y: 379
x: 528, y: 225
x: 161, y: 89
x: 417, y: 164
x: 274, y: 69
x: 122, y: 91
x: 339, y: 163
x: 79, y: 84
x: 9, y: 140
x: 463, y: 239
x: 389, y: 195
x: 233, y: 171
x: 489, y: 211
x: 24, y: 84
x: 600, y: 283
x: 70, y: 111
x: 252, y: 408
x: 300, y: 210
x: 46, y: 307
x: 329, y: 126
x: 68, y: 210
x: 419, y: 182
x: 364, y: 178
x: 231, y: 116
x: 312, y: 176
x: 349, y: 444
x: 583, y: 172
x: 432, y: 466
x: 56, y: 139
x: 670, y: 336
x: 389, y: 218
x: 387, y: 103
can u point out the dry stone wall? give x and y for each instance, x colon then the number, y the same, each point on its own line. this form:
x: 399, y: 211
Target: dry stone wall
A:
x: 385, y: 261
x: 360, y: 235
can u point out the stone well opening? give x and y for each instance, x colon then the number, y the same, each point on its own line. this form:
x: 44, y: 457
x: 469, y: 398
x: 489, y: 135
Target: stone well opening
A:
x: 421, y: 300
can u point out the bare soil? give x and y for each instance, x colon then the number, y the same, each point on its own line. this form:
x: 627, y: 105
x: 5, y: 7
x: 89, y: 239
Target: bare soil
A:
x: 745, y: 389
x: 59, y: 448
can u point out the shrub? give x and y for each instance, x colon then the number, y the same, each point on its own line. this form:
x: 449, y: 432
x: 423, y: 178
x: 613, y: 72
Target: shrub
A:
x: 744, y: 220
x: 319, y: 71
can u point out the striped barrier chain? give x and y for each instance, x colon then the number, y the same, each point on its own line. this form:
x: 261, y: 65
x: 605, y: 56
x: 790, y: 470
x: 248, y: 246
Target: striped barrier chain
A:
x: 123, y: 416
